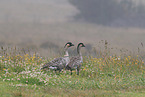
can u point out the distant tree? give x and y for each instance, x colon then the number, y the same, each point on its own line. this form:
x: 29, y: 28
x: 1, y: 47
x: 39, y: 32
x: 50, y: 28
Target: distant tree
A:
x: 105, y: 11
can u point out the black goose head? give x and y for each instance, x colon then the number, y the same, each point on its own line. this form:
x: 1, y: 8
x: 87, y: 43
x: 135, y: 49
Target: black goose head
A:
x: 68, y: 44
x: 81, y: 45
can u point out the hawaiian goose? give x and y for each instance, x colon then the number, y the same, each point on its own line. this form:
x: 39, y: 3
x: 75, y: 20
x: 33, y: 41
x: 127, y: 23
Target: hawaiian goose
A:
x: 75, y: 62
x: 59, y: 63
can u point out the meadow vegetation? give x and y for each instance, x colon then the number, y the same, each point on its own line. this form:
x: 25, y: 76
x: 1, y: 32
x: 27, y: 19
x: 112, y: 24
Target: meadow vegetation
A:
x: 103, y: 75
x: 112, y: 68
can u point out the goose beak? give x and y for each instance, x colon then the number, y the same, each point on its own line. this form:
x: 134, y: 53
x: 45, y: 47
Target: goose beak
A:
x: 72, y: 44
x: 83, y: 45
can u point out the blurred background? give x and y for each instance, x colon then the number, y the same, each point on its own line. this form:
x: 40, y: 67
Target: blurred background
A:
x: 46, y: 25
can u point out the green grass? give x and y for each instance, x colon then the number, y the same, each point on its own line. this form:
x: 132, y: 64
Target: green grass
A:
x: 39, y: 91
x: 20, y: 76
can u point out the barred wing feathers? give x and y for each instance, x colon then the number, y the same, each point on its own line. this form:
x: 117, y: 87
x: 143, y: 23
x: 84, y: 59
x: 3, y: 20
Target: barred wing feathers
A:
x: 57, y: 63
x: 74, y: 63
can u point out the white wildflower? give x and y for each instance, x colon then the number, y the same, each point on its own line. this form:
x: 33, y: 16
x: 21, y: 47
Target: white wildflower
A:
x: 18, y: 78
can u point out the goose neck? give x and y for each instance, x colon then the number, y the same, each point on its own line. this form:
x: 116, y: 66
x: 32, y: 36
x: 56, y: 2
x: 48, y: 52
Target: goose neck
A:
x: 66, y: 52
x: 78, y: 51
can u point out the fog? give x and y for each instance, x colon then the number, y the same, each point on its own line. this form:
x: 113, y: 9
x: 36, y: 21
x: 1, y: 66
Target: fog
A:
x: 46, y: 25
x: 41, y: 11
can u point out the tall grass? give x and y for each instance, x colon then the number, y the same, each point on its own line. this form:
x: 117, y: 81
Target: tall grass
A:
x: 106, y: 72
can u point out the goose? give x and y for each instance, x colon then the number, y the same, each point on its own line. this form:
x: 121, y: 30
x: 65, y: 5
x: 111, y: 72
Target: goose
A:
x: 59, y: 63
x: 75, y: 62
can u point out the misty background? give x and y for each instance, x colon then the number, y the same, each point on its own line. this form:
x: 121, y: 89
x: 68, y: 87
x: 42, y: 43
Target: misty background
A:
x: 46, y: 25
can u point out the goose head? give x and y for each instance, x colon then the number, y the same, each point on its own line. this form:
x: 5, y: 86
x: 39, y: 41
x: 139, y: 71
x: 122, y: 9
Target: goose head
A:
x: 81, y: 45
x: 68, y: 44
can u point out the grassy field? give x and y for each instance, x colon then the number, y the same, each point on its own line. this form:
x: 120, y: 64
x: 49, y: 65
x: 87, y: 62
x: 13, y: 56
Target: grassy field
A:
x: 111, y: 76
x: 113, y: 60
x: 33, y: 33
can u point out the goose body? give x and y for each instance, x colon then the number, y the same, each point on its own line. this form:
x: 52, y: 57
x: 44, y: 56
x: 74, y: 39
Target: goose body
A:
x: 75, y: 62
x: 59, y: 63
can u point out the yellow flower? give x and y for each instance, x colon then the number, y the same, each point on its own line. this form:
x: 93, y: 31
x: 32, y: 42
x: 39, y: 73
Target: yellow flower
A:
x: 4, y: 69
x: 129, y: 57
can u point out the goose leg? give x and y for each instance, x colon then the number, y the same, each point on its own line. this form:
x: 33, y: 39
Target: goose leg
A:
x: 77, y: 71
x: 71, y: 72
x: 55, y: 71
x: 59, y: 70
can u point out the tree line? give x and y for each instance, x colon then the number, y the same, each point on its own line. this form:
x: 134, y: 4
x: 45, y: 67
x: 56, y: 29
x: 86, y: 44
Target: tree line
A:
x: 110, y: 12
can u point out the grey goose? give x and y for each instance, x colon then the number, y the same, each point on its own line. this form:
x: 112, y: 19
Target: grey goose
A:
x: 75, y: 62
x: 59, y: 63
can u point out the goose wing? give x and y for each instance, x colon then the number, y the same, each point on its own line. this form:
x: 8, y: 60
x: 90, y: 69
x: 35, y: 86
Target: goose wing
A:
x: 57, y: 62
x: 74, y: 62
